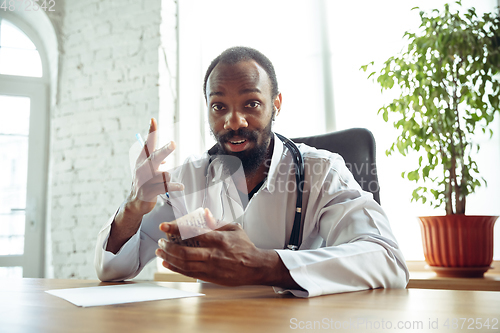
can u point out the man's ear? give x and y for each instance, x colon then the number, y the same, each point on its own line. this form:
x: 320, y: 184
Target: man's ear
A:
x: 277, y: 104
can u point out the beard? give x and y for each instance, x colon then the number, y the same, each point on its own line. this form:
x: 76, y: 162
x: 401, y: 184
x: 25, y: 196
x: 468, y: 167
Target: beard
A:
x: 251, y: 159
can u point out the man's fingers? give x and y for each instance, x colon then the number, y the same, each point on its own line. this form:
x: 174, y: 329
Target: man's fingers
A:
x: 161, y: 177
x: 159, y: 155
x: 150, y: 144
x: 210, y: 219
x: 148, y: 168
x: 170, y: 228
x: 172, y: 187
x: 214, y: 224
x: 152, y: 136
x: 184, y: 231
x: 205, y: 236
x: 183, y: 265
x: 229, y: 226
x: 150, y: 192
x: 197, y: 275
x: 184, y: 252
x: 162, y: 188
x: 174, y: 228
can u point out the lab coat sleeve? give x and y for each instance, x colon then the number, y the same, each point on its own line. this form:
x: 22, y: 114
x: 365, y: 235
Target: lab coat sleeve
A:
x: 137, y: 252
x: 360, y: 251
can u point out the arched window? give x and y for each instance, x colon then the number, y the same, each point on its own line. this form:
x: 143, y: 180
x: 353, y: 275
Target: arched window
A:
x: 18, y: 54
x: 23, y: 149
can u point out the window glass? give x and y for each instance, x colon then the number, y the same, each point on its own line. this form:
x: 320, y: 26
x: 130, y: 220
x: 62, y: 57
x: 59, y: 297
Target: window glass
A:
x: 290, y: 40
x: 18, y: 54
x: 354, y: 33
x: 11, y: 272
x: 376, y: 37
x: 14, y: 128
x: 11, y: 36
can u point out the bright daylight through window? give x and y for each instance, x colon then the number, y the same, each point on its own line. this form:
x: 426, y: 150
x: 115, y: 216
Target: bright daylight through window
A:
x: 18, y: 57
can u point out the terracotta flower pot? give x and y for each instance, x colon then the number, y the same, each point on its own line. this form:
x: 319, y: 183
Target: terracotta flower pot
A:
x: 458, y: 245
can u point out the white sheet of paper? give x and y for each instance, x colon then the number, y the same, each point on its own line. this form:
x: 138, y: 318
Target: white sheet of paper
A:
x: 119, y: 294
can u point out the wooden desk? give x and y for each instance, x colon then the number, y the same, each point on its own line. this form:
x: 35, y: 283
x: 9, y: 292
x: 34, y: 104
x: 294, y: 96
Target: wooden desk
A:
x: 25, y: 307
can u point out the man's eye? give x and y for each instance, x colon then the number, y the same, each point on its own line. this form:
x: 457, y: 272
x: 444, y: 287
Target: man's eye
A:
x: 253, y: 104
x: 217, y: 107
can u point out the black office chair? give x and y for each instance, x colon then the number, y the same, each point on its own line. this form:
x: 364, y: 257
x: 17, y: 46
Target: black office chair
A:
x: 357, y: 147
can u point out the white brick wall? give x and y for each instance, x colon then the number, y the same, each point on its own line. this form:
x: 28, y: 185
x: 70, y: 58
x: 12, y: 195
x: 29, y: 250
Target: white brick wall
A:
x: 108, y: 90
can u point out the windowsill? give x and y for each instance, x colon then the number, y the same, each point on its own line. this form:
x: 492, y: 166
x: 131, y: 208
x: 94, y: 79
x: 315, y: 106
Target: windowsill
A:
x: 421, y: 266
x: 421, y: 277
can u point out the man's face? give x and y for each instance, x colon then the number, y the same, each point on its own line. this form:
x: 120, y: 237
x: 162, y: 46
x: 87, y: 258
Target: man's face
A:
x: 240, y: 109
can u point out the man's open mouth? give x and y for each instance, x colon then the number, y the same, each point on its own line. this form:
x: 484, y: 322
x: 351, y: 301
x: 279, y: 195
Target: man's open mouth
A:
x: 237, y: 142
x: 237, y: 145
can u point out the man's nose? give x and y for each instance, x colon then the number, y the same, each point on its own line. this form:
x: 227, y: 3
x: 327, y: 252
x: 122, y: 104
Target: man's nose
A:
x: 235, y: 120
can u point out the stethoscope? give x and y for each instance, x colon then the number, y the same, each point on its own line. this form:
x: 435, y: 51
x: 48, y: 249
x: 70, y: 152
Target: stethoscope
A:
x: 298, y: 161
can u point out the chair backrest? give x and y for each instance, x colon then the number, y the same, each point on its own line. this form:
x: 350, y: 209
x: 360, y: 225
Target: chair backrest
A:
x: 357, y: 147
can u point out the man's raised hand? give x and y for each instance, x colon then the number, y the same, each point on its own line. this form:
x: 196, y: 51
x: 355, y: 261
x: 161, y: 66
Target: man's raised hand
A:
x: 148, y: 182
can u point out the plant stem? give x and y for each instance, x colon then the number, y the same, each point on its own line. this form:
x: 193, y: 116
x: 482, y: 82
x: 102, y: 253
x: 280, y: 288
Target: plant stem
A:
x: 459, y: 196
x: 453, y: 181
x: 448, y: 187
x: 437, y: 132
x: 453, y: 170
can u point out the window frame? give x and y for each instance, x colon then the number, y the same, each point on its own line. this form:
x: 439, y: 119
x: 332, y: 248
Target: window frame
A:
x: 37, y: 89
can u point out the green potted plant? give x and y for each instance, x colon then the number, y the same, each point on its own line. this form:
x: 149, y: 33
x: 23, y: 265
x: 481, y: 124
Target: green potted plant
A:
x: 450, y: 88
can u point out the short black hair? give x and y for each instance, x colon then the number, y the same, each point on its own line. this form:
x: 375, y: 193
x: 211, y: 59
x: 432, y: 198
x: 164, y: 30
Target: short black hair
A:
x: 237, y: 54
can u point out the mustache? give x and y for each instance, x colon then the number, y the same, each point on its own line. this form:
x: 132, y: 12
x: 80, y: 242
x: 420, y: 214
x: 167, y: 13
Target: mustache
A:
x: 242, y: 133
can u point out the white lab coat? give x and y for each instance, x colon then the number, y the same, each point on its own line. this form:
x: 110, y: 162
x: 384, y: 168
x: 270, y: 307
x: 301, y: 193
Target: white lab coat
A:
x: 360, y: 250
